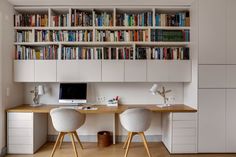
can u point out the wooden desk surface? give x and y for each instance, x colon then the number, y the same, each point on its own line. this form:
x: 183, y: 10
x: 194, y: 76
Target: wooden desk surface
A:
x: 104, y: 108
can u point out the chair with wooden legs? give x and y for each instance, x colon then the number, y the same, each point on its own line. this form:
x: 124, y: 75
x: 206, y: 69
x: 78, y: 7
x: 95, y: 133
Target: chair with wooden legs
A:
x: 67, y: 121
x: 136, y: 121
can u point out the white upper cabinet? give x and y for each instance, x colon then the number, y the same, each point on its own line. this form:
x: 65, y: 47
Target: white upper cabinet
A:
x: 113, y: 71
x: 157, y: 71
x: 212, y: 76
x: 135, y: 71
x: 24, y: 71
x: 212, y: 31
x: 45, y: 71
x: 212, y: 131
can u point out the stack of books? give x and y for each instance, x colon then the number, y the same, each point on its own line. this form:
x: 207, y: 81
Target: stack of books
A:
x: 24, y: 36
x: 103, y: 19
x: 170, y: 35
x: 36, y: 53
x: 138, y: 19
x: 60, y: 20
x: 25, y: 20
x: 122, y: 35
x: 180, y: 19
x: 81, y: 18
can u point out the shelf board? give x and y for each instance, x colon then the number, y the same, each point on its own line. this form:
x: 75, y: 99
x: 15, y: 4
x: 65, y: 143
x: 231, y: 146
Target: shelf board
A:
x: 53, y: 28
x: 36, y: 43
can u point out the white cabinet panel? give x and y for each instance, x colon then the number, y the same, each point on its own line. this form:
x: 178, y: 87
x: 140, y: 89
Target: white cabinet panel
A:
x: 231, y: 121
x: 212, y: 103
x: 180, y: 71
x: 79, y: 71
x: 135, y: 71
x: 20, y: 149
x: 231, y: 32
x: 157, y: 71
x: 212, y: 33
x: 185, y: 116
x: 24, y: 70
x: 231, y: 76
x: 212, y: 76
x: 45, y: 71
x: 113, y: 70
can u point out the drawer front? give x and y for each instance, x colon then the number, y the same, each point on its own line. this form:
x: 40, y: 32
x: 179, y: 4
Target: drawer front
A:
x: 17, y: 140
x: 184, y: 116
x: 184, y: 148
x: 20, y: 149
x: 20, y: 116
x: 20, y: 132
x: 184, y: 132
x: 184, y: 140
x: 20, y: 124
x: 184, y: 124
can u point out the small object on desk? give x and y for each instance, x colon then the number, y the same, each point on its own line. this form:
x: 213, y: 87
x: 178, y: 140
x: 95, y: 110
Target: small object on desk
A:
x: 163, y: 105
x: 112, y: 103
x: 89, y: 108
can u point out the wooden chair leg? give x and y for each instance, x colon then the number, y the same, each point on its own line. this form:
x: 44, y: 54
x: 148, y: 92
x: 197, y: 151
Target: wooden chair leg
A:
x: 126, y: 141
x: 56, y: 144
x: 145, y: 143
x: 128, y: 144
x: 73, y: 144
x: 77, y: 137
x: 61, y: 140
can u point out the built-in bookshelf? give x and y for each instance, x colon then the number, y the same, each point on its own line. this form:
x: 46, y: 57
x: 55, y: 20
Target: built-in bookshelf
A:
x: 103, y: 36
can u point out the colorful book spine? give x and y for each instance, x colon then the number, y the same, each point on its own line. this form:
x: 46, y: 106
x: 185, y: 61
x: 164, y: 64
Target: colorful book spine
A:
x: 103, y: 19
x: 118, y: 53
x: 26, y: 20
x: 24, y: 36
x: 36, y: 53
x: 81, y: 18
x: 81, y: 53
x: 170, y: 35
x: 60, y: 20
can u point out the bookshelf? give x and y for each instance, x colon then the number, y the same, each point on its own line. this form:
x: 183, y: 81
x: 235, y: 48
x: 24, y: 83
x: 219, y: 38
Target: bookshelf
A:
x: 118, y: 40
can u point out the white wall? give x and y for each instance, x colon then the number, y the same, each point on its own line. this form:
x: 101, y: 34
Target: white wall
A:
x: 15, y: 96
x: 130, y: 93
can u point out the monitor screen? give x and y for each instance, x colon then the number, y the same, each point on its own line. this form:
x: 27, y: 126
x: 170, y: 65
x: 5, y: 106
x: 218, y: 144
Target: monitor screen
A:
x: 73, y: 93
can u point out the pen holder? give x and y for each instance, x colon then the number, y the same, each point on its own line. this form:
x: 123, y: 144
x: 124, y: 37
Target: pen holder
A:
x: 112, y: 103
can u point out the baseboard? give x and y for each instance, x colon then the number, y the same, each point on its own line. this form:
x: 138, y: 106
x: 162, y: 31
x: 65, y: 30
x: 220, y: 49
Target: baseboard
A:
x: 3, y: 152
x: 119, y: 138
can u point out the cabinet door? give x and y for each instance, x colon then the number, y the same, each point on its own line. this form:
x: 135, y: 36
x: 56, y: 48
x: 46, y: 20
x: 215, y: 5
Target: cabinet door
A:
x: 135, y: 71
x: 212, y: 76
x: 180, y: 71
x: 231, y: 32
x: 230, y: 121
x: 24, y: 70
x: 113, y: 71
x: 79, y: 71
x: 212, y: 130
x: 45, y: 71
x: 231, y: 76
x: 157, y: 71
x: 212, y: 31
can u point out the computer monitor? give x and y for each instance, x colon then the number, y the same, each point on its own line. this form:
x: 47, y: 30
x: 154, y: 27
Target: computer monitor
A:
x: 73, y: 93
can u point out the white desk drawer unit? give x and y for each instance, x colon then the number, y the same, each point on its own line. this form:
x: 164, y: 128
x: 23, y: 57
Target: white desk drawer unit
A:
x: 183, y: 136
x: 26, y: 132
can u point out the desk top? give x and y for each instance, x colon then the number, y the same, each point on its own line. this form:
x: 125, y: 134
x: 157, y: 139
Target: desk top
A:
x: 105, y: 109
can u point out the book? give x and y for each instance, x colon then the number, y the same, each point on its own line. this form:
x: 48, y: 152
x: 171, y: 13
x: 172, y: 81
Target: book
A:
x: 30, y: 20
x: 170, y: 35
x: 103, y: 19
x: 81, y: 18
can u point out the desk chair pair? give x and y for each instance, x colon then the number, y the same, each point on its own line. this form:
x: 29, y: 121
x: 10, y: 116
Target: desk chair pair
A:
x: 67, y: 121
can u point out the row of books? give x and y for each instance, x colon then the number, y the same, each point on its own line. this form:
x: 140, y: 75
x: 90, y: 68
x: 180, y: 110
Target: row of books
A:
x: 24, y: 36
x: 66, y: 36
x: 81, y: 18
x: 122, y: 53
x: 163, y: 53
x: 36, y: 53
x: 60, y: 20
x: 170, y: 35
x: 33, y: 20
x: 181, y: 19
x: 121, y: 35
x: 103, y: 19
x: 75, y: 53
x: 139, y: 19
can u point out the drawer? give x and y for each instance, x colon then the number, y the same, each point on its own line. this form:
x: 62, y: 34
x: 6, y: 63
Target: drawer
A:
x: 184, y: 132
x: 20, y: 149
x: 184, y: 116
x: 184, y: 140
x: 184, y: 148
x: 19, y: 116
x: 20, y: 132
x: 20, y: 124
x: 184, y: 124
x: 20, y: 140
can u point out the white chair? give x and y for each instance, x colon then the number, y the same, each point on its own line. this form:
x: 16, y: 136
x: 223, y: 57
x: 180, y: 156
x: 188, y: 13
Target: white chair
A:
x: 136, y: 121
x: 66, y: 121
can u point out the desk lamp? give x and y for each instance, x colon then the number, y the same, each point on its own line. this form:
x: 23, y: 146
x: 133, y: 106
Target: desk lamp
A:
x: 37, y: 91
x: 155, y: 89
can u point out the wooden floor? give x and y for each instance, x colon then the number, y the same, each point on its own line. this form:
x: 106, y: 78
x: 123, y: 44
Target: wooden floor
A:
x: 91, y: 150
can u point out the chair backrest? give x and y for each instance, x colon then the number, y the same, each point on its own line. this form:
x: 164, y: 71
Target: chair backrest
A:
x: 66, y: 119
x: 136, y: 119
